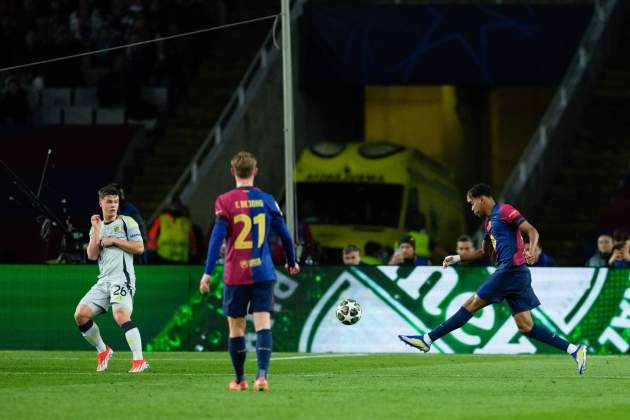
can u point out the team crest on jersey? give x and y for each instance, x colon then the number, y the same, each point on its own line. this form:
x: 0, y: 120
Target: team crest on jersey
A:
x: 116, y: 229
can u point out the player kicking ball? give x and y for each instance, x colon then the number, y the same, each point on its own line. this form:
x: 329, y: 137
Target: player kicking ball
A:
x: 113, y: 242
x: 244, y: 215
x: 511, y: 281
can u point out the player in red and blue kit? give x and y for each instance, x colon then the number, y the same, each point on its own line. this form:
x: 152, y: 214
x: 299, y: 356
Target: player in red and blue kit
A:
x: 245, y: 216
x: 511, y: 281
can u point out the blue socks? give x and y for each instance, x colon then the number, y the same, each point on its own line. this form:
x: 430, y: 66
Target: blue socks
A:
x: 238, y: 352
x: 461, y: 317
x: 543, y: 334
x: 458, y: 320
x: 263, y: 352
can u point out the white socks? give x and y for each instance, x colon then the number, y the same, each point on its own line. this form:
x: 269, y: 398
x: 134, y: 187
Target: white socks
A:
x: 427, y: 339
x: 572, y: 348
x: 135, y: 342
x: 93, y: 336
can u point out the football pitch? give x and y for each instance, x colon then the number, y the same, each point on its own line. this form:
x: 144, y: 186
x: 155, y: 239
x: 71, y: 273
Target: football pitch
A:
x: 63, y: 385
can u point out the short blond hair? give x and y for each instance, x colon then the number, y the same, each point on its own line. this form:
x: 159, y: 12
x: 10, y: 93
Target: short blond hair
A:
x: 244, y: 164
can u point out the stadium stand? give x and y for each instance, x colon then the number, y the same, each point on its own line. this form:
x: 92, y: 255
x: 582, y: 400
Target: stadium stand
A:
x: 79, y: 166
x: 209, y: 92
x: 585, y: 199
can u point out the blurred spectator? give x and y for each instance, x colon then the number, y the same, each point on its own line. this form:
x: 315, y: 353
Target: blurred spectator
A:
x: 416, y: 228
x: 465, y: 245
x: 351, y: 255
x: 620, y: 236
x: 34, y: 50
x: 620, y: 257
x: 604, y: 252
x: 14, y: 106
x: 127, y: 208
x: 406, y: 253
x: 171, y: 54
x: 85, y: 23
x: 171, y: 237
x: 540, y: 258
x: 34, y: 30
x: 372, y: 251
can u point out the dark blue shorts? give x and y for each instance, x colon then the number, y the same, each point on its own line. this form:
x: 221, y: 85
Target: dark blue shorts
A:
x: 248, y: 298
x: 512, y: 284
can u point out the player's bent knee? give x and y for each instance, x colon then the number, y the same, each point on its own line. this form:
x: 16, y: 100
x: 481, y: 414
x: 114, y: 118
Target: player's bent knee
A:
x: 524, y: 326
x: 82, y: 314
x: 474, y: 303
x: 121, y: 316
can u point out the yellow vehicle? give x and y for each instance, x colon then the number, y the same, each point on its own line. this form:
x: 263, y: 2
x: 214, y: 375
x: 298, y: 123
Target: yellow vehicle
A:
x: 354, y: 193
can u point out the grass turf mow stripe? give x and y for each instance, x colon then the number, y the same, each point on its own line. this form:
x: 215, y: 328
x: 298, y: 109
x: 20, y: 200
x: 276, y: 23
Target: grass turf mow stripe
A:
x: 63, y: 385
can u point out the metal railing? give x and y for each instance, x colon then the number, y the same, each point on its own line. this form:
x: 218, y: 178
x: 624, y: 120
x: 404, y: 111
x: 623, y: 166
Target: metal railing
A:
x: 232, y: 113
x: 526, y: 185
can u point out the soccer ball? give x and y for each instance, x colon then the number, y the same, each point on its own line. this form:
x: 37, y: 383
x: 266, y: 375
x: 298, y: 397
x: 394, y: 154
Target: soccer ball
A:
x: 349, y: 312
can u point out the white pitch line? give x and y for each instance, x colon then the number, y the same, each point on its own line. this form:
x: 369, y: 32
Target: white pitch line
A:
x: 328, y: 374
x: 127, y: 374
x: 171, y: 359
x: 320, y: 356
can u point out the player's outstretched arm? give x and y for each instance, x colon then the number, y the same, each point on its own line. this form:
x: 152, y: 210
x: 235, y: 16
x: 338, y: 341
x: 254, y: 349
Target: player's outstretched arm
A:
x: 93, y: 248
x: 219, y: 233
x: 531, y: 232
x: 484, y: 252
x: 277, y: 223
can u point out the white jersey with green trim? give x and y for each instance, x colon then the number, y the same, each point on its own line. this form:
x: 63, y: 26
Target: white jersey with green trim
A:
x: 113, y: 262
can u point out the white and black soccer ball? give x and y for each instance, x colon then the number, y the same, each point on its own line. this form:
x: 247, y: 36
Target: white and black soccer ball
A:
x: 349, y: 312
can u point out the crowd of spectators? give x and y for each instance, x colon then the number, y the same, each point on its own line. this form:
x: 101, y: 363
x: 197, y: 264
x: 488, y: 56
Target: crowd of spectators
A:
x: 613, y: 251
x: 36, y: 30
x: 14, y: 106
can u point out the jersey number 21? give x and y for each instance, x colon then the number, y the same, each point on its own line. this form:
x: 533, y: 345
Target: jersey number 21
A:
x: 241, y: 240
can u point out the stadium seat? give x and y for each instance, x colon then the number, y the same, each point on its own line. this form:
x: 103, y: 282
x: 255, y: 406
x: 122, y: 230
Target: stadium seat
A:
x: 78, y: 115
x: 110, y: 116
x: 157, y: 97
x: 58, y: 97
x: 50, y: 115
x: 34, y: 97
x: 85, y: 96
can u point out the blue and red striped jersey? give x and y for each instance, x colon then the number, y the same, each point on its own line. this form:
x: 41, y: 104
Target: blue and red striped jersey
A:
x: 502, y: 229
x: 244, y: 216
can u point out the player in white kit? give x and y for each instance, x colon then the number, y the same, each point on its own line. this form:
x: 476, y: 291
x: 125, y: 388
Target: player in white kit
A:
x: 113, y: 242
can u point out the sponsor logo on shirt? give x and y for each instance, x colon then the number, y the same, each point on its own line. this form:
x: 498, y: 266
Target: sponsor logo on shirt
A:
x: 250, y: 263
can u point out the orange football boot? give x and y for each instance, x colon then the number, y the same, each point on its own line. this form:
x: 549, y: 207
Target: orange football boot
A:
x: 236, y: 386
x: 103, y: 359
x: 138, y: 366
x: 261, y: 384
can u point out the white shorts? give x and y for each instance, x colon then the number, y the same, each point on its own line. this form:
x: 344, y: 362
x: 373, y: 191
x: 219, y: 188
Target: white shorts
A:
x: 106, y: 293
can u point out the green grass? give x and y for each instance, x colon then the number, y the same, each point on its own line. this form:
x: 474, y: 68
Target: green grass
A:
x: 63, y: 385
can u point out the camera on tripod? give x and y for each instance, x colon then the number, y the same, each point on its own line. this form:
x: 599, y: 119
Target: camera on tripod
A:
x: 73, y: 242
